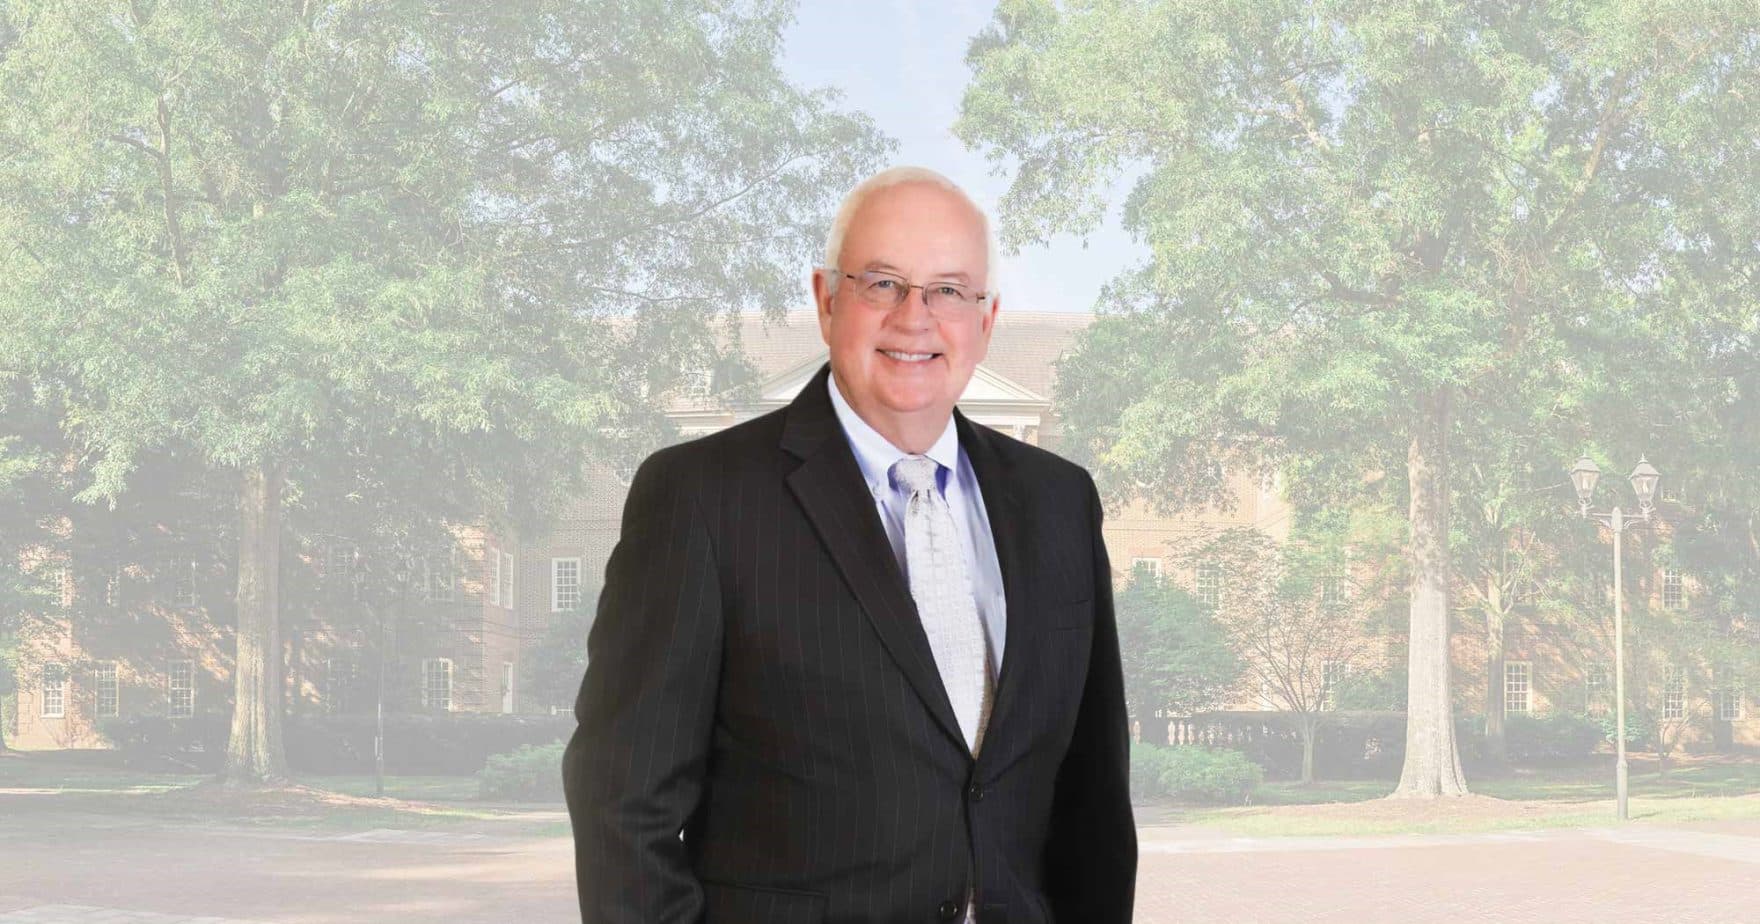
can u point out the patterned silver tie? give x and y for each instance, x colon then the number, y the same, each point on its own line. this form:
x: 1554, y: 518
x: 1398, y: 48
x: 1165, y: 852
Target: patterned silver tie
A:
x: 942, y: 586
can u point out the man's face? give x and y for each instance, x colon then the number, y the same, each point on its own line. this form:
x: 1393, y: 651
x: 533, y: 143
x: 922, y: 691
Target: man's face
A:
x: 925, y: 234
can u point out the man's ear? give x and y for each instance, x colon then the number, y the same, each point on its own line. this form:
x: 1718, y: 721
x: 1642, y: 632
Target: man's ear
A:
x: 822, y: 302
x: 991, y: 312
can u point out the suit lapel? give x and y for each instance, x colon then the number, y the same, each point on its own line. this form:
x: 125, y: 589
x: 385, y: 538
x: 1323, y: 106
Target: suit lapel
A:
x: 830, y: 488
x: 1008, y: 523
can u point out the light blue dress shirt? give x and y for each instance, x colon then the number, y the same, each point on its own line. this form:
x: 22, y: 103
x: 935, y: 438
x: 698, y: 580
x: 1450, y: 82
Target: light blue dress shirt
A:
x: 876, y: 455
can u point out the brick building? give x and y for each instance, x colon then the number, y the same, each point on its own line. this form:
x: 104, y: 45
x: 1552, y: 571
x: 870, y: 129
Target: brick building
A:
x: 474, y: 614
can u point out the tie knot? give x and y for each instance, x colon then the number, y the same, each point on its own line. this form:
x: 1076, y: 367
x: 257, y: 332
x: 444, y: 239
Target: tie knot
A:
x: 916, y: 472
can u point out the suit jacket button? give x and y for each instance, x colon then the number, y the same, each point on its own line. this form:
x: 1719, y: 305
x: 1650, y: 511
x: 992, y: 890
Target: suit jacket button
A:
x: 976, y: 791
x: 949, y: 910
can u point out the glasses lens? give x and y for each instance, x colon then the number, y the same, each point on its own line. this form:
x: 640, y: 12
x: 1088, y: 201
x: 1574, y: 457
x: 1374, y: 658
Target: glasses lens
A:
x: 948, y: 299
x: 883, y: 290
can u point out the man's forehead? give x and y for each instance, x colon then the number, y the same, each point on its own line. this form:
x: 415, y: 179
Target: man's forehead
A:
x: 948, y: 272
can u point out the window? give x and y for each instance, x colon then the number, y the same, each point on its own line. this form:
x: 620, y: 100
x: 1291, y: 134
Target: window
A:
x: 1729, y: 700
x: 339, y: 684
x: 64, y: 584
x: 1208, y: 584
x: 1331, y: 676
x: 1674, y: 693
x: 104, y: 678
x: 437, y: 684
x: 113, y: 588
x: 54, y: 690
x: 441, y: 575
x: 1331, y: 591
x: 565, y: 584
x: 507, y: 579
x: 697, y: 382
x: 493, y: 567
x: 339, y: 565
x: 183, y: 581
x: 507, y: 687
x: 1672, y: 592
x: 1518, y: 687
x: 180, y: 689
x: 1597, y: 690
x: 1148, y: 566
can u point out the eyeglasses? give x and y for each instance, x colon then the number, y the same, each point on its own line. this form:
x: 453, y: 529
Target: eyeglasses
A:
x: 946, y: 301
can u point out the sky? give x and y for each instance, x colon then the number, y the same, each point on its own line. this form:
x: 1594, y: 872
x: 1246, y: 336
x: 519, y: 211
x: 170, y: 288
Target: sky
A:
x: 913, y: 94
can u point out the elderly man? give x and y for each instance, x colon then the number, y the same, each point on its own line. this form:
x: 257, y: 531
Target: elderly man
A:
x: 856, y: 660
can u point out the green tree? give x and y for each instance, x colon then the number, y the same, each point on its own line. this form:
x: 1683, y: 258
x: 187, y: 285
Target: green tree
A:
x: 1358, y: 212
x: 428, y: 252
x: 1177, y: 658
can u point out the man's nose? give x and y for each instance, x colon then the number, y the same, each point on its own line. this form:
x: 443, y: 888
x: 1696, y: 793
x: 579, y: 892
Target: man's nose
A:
x: 914, y: 310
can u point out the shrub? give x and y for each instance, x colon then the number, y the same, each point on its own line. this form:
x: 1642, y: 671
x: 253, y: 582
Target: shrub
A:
x: 533, y: 773
x: 197, y: 742
x: 1193, y: 773
x: 1556, y: 737
x: 457, y: 744
x: 1640, y: 729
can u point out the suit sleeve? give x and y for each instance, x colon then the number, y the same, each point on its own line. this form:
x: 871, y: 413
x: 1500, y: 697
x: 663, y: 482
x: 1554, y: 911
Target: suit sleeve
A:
x: 1091, y: 851
x: 633, y: 770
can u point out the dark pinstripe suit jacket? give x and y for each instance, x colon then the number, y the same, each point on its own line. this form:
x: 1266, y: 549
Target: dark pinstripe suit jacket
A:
x: 758, y: 679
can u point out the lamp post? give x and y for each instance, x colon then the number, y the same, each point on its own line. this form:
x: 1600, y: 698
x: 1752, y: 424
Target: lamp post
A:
x: 1644, y: 479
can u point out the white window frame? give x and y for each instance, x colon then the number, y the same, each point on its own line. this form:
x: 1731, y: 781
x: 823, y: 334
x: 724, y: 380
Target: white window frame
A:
x: 1152, y: 566
x: 440, y: 577
x: 1207, y: 583
x: 697, y: 382
x: 507, y: 701
x: 53, y: 683
x: 106, y: 690
x: 507, y: 579
x: 335, y: 682
x: 1332, y: 674
x: 1597, y: 689
x: 180, y: 688
x: 1331, y: 590
x: 493, y: 566
x: 1674, y: 591
x: 1731, y: 700
x: 558, y: 587
x: 1518, y: 687
x: 1674, y: 693
x: 431, y: 671
x: 183, y: 582
x: 64, y: 583
x: 339, y: 564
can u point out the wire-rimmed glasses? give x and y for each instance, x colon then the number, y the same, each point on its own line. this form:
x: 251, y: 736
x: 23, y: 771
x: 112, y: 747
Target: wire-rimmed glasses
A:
x: 946, y: 300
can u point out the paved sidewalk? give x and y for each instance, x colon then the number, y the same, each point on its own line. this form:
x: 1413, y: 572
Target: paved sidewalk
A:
x: 88, y: 870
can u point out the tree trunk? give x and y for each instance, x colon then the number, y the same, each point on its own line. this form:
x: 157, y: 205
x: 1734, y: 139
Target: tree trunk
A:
x: 1308, y: 734
x: 1433, y: 763
x: 1495, y: 746
x: 254, y: 752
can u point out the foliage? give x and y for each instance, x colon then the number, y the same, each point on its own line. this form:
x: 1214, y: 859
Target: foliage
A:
x: 533, y: 773
x: 1374, y: 227
x: 1176, y: 657
x: 1193, y: 774
x: 401, y: 261
x: 554, y: 667
x: 1549, y: 738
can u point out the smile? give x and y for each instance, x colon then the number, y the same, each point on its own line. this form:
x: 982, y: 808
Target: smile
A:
x: 910, y: 357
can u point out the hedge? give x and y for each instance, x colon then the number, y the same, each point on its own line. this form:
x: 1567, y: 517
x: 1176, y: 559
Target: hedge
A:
x: 1193, y: 773
x: 531, y: 774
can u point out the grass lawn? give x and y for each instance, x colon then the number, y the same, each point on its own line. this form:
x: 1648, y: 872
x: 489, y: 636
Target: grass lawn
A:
x: 71, y: 782
x: 1694, y: 789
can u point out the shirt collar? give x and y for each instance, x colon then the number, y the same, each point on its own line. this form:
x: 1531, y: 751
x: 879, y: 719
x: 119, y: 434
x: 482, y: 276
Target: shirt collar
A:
x: 876, y: 454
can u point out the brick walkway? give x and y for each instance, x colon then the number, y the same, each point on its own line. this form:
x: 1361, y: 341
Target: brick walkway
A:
x: 87, y: 870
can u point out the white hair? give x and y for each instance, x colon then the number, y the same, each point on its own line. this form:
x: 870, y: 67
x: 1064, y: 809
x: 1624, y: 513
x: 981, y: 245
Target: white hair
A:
x: 894, y: 176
